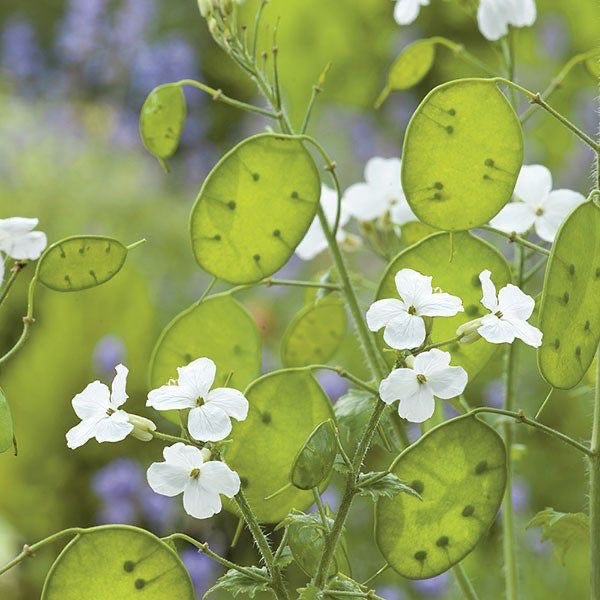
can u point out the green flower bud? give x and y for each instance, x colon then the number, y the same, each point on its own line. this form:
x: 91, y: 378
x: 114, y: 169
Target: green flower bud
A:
x: 468, y: 331
x: 142, y: 428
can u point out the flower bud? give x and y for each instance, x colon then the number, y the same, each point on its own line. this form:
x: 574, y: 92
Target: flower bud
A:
x: 351, y: 243
x: 468, y: 331
x: 205, y: 454
x: 142, y: 428
x: 205, y: 7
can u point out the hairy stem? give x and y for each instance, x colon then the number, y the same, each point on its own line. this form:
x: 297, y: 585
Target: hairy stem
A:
x: 14, y: 273
x: 595, y: 491
x: 513, y: 237
x: 464, y: 583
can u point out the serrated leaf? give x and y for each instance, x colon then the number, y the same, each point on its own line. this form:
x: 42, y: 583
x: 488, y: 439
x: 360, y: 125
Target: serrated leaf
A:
x: 240, y: 584
x: 562, y: 529
x: 381, y: 484
x: 285, y: 558
x: 310, y: 593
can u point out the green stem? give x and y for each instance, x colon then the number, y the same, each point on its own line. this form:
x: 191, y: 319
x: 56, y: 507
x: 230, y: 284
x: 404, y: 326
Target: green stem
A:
x: 463, y: 54
x: 544, y: 403
x: 346, y: 375
x: 513, y: 237
x: 134, y: 245
x: 443, y: 343
x: 321, y: 508
x: 370, y: 595
x: 377, y: 573
x: 595, y: 491
x: 165, y: 437
x: 464, y: 582
x: 14, y: 273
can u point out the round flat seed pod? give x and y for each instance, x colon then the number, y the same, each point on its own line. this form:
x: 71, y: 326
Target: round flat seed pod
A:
x: 254, y: 208
x: 80, y: 262
x: 462, y: 153
x: 315, y: 460
x: 459, y: 469
x: 455, y: 266
x: 315, y: 333
x: 569, y: 313
x: 162, y: 119
x: 120, y: 562
x: 285, y: 408
x: 6, y: 424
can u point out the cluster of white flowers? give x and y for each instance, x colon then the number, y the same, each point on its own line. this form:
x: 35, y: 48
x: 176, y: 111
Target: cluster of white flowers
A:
x: 19, y: 241
x: 493, y: 16
x: 187, y: 469
x: 428, y: 373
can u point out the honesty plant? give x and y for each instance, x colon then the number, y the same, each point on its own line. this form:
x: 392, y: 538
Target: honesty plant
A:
x: 265, y: 446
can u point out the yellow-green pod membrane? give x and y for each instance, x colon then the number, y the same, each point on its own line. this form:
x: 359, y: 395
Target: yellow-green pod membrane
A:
x: 6, y: 424
x: 120, y: 562
x: 162, y: 119
x: 254, y: 208
x: 80, y: 262
x: 462, y: 154
x: 455, y: 262
x: 285, y: 408
x: 459, y: 470
x: 569, y: 313
x: 315, y: 333
x: 315, y: 459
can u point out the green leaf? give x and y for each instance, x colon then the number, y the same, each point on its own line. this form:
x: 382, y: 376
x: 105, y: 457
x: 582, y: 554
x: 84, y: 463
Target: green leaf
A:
x: 285, y: 408
x: 569, y: 315
x: 411, y: 66
x: 239, y: 584
x: 80, y: 262
x: 6, y: 425
x: 381, y: 484
x: 459, y: 469
x: 254, y: 208
x: 219, y: 328
x: 315, y: 333
x: 117, y: 561
x: 455, y: 265
x: 310, y: 593
x: 162, y: 119
x: 340, y: 583
x: 462, y: 153
x: 315, y: 460
x: 592, y: 64
x: 562, y: 529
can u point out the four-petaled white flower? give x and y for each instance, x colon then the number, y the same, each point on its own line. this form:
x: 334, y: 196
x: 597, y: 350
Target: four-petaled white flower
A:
x: 406, y: 11
x: 380, y: 193
x: 19, y: 241
x: 314, y: 241
x: 430, y: 375
x: 211, y: 411
x: 188, y: 470
x: 537, y: 205
x: 403, y: 319
x: 510, y: 310
x: 101, y: 416
x: 494, y: 16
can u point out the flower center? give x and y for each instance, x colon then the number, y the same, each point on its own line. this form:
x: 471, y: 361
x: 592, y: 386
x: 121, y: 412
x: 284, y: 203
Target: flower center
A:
x: 539, y: 212
x: 412, y: 310
x: 195, y: 473
x: 421, y: 378
x: 498, y: 314
x: 200, y: 401
x: 110, y: 411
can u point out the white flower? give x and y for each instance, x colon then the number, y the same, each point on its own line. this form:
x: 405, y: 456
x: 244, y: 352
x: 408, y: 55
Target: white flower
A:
x: 380, y: 193
x: 19, y: 241
x: 406, y: 11
x: 211, y: 410
x: 188, y: 469
x: 509, y: 313
x: 101, y: 417
x: 494, y: 16
x: 536, y: 205
x: 403, y: 319
x: 314, y: 241
x: 431, y: 375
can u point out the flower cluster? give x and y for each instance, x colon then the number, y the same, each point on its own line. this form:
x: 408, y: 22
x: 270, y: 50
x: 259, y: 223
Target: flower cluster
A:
x: 19, y: 241
x: 187, y: 468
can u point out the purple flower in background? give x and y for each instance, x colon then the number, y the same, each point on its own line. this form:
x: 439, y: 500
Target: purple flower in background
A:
x: 156, y: 509
x: 330, y: 497
x: 202, y: 570
x: 494, y: 393
x: 81, y: 29
x: 19, y: 51
x: 554, y: 36
x: 413, y: 431
x: 119, y: 479
x: 108, y: 353
x: 389, y: 592
x: 520, y: 494
x: 333, y: 384
x: 436, y: 586
x: 131, y: 23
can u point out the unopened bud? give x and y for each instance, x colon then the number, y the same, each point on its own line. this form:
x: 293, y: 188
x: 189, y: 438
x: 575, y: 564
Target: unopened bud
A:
x: 142, y: 428
x: 205, y: 7
x: 468, y: 333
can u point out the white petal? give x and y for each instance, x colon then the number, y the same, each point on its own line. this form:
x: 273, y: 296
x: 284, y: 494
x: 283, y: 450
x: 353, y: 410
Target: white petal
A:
x: 439, y: 305
x: 380, y: 313
x: 83, y: 432
x: 383, y: 172
x: 492, y: 19
x: 199, y: 503
x: 216, y: 476
x: 365, y: 202
x: 514, y: 303
x: 522, y: 13
x: 515, y: 217
x: 496, y: 331
x: 231, y: 401
x: 527, y: 333
x: 198, y: 376
x: 399, y: 384
x: 533, y: 185
x: 171, y: 397
x: 405, y: 331
x: 412, y: 286
x: 406, y: 11
x: 114, y: 428
x: 556, y: 209
x: 419, y: 407
x: 431, y: 361
x: 28, y: 246
x: 209, y: 423
x: 183, y: 456
x: 448, y: 383
x: 167, y: 479
x: 118, y: 394
x: 329, y: 203
x: 488, y: 288
x: 313, y: 243
x: 93, y: 401
x: 401, y: 212
x: 1, y: 269
x: 16, y: 226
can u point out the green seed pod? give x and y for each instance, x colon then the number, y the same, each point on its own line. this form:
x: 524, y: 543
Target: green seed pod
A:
x: 315, y: 460
x: 6, y: 425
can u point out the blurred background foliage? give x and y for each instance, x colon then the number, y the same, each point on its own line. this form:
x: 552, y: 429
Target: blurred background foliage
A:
x: 73, y: 76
